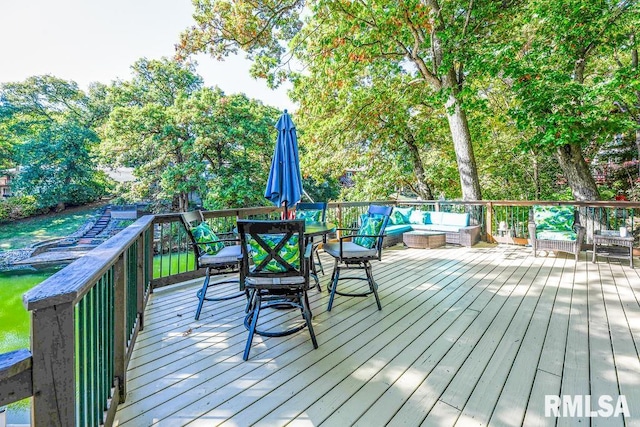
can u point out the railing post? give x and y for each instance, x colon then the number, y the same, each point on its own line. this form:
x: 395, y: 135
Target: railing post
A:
x: 489, y: 222
x: 140, y: 279
x: 339, y: 216
x: 120, y: 333
x: 52, y: 347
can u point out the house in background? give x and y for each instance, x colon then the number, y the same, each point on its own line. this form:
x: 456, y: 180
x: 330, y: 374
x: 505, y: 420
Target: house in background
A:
x: 5, y: 182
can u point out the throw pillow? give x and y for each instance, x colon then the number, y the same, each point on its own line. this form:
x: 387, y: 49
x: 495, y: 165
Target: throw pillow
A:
x: 370, y: 227
x: 417, y: 217
x: 554, y: 218
x: 309, y: 215
x: 397, y: 218
x: 206, y: 239
x: 405, y: 212
x: 289, y: 252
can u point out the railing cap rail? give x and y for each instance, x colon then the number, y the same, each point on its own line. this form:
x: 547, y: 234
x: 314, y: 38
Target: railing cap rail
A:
x: 75, y: 280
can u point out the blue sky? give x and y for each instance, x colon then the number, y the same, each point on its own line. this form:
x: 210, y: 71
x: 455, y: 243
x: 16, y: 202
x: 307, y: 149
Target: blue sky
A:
x: 98, y: 40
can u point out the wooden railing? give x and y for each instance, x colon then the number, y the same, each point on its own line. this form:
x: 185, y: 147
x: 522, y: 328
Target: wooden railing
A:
x: 84, y: 322
x: 86, y: 317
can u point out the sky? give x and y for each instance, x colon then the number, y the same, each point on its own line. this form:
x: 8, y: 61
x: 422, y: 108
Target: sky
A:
x: 97, y: 40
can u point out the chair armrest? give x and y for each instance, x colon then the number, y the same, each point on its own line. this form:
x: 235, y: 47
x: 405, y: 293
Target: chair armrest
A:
x: 351, y: 236
x: 216, y: 241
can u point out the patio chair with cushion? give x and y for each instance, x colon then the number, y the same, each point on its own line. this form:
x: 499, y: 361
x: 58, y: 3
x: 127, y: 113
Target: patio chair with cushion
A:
x: 217, y: 256
x: 556, y: 228
x: 275, y: 270
x: 314, y: 212
x: 356, y: 251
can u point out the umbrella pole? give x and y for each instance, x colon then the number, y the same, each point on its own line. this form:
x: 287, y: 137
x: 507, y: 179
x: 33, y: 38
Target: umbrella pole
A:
x: 286, y: 216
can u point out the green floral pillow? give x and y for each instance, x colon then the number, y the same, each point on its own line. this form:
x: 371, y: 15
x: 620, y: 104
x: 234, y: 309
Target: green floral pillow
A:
x: 405, y: 212
x: 553, y: 218
x: 289, y: 252
x: 370, y: 226
x: 206, y: 239
x: 311, y: 215
x: 397, y: 218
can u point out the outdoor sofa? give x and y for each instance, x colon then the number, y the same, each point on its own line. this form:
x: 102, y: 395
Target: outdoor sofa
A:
x: 455, y: 226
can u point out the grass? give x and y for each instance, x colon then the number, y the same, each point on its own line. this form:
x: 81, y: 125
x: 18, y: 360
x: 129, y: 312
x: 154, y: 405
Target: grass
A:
x: 15, y: 322
x: 25, y: 232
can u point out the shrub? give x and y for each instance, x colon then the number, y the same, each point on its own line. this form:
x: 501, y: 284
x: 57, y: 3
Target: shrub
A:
x: 18, y: 207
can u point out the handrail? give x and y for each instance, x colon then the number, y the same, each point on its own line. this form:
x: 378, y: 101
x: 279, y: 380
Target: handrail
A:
x: 77, y: 278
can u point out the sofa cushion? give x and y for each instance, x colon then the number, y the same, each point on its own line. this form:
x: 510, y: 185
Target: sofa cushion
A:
x: 556, y: 235
x: 436, y: 227
x: 405, y: 212
x: 459, y: 219
x: 417, y: 217
x: 397, y: 229
x: 433, y: 217
x: 397, y: 218
x: 553, y: 218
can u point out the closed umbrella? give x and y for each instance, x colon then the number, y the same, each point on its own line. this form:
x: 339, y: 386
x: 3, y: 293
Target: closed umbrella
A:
x: 284, y: 186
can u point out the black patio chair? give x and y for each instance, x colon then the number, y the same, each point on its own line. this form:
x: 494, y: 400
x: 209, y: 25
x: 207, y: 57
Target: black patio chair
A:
x: 356, y: 251
x: 216, y: 256
x: 275, y: 270
x: 316, y: 211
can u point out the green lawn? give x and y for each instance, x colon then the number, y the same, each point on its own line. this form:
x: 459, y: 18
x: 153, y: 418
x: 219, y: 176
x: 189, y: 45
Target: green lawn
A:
x: 22, y: 233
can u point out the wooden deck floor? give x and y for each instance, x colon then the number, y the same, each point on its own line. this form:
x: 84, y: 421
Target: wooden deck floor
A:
x: 466, y: 336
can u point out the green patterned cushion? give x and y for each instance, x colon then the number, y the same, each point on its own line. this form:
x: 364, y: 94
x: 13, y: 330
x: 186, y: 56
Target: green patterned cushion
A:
x: 311, y: 215
x: 370, y: 226
x: 405, y: 212
x: 553, y: 218
x: 556, y: 235
x: 206, y: 239
x: 289, y: 252
x: 397, y: 218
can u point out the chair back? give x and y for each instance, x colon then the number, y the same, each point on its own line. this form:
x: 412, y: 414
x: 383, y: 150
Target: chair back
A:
x: 316, y: 206
x: 273, y: 249
x: 377, y: 211
x: 190, y: 220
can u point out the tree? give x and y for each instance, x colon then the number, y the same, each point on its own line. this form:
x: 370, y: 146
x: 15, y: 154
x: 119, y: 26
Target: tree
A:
x: 556, y: 66
x: 183, y: 138
x: 48, y: 125
x: 372, y: 119
x: 146, y: 131
x: 438, y: 40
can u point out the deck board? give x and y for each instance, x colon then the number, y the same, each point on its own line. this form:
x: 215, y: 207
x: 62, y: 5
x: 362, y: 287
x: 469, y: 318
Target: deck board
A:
x: 466, y: 336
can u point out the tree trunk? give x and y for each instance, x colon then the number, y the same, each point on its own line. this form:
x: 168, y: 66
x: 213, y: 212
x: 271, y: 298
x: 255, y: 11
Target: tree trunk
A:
x: 422, y: 187
x: 536, y: 176
x: 576, y: 170
x: 467, y: 169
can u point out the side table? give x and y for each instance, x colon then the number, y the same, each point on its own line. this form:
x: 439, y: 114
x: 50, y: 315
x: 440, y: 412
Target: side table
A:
x: 609, y: 244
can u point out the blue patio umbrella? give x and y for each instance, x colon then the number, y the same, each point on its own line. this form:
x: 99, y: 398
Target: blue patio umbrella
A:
x: 284, y: 186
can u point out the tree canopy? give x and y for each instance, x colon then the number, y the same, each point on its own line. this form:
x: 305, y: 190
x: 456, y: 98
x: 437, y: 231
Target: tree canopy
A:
x: 517, y: 99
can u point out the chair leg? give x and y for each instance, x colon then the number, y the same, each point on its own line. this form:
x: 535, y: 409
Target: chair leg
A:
x: 372, y: 284
x: 252, y: 327
x: 334, y: 285
x: 202, y: 293
x: 319, y: 261
x: 306, y: 313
